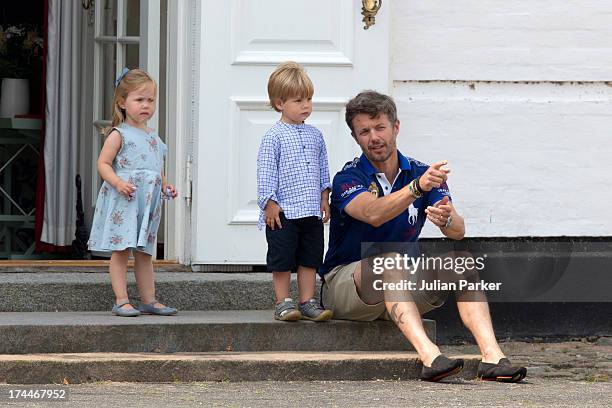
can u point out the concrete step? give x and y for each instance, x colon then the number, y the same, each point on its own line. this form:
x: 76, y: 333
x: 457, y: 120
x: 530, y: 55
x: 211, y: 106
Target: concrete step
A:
x: 50, y: 292
x: 90, y: 266
x: 192, y: 331
x: 285, y: 366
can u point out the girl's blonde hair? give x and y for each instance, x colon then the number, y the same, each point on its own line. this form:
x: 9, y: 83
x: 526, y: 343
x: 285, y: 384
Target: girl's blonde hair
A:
x: 289, y: 80
x: 133, y: 80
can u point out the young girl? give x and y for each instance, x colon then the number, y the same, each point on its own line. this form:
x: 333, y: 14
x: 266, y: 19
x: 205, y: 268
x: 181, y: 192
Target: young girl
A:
x: 128, y: 209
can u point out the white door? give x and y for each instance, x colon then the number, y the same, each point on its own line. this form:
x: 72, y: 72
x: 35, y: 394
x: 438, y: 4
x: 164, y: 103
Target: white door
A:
x: 241, y: 43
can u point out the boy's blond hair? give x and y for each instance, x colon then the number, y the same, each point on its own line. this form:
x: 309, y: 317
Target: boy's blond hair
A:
x: 289, y: 80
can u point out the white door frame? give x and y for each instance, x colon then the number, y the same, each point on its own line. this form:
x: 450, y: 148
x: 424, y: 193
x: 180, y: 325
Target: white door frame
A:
x: 181, y: 121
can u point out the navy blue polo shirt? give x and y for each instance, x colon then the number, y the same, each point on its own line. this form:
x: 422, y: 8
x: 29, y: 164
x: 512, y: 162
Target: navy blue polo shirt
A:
x: 346, y: 233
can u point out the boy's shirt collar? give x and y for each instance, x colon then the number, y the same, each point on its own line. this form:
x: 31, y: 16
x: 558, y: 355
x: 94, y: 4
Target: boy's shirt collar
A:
x: 291, y: 124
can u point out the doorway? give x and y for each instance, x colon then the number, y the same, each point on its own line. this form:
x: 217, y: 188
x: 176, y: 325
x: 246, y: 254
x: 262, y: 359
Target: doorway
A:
x: 22, y: 26
x: 114, y: 34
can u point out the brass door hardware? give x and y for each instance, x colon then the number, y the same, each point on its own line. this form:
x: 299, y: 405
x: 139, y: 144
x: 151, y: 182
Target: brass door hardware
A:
x: 369, y: 10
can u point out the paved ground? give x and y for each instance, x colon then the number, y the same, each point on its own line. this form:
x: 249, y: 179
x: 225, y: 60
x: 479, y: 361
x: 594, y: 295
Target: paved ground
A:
x: 537, y: 392
x: 584, y: 360
x: 568, y: 374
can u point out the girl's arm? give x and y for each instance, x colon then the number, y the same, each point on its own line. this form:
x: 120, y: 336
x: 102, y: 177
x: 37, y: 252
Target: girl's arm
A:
x: 111, y: 147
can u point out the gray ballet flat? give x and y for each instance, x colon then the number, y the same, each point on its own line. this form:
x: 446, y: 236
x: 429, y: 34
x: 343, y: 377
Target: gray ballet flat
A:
x: 149, y: 308
x: 118, y: 310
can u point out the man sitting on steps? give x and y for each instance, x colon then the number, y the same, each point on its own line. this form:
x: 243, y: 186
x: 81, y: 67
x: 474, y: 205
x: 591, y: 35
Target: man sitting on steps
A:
x: 384, y: 196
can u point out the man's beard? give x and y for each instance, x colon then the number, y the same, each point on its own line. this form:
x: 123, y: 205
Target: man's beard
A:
x: 382, y: 156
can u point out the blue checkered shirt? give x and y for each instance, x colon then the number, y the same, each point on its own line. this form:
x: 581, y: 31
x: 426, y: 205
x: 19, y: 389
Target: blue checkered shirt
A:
x: 292, y: 170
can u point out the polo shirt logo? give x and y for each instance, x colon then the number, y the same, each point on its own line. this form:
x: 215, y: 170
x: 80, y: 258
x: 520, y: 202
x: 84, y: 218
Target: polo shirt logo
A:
x: 373, y: 189
x: 413, y: 214
x: 349, y: 188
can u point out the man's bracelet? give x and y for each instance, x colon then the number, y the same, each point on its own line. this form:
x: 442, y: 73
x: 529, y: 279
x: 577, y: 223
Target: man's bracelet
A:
x: 418, y: 186
x: 414, y: 190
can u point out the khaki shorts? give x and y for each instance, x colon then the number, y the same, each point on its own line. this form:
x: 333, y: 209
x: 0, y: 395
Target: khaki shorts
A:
x: 339, y: 294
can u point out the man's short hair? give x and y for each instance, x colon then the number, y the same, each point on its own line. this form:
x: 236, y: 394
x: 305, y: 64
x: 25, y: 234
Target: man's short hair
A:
x: 289, y: 80
x: 371, y: 103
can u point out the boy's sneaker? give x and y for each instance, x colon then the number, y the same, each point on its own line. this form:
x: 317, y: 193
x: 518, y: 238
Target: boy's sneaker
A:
x: 286, y: 311
x: 311, y: 310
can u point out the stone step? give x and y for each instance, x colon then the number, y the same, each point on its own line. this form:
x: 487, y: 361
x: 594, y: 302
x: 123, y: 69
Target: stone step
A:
x: 50, y: 292
x: 192, y: 331
x: 574, y: 276
x: 90, y: 266
x: 185, y: 367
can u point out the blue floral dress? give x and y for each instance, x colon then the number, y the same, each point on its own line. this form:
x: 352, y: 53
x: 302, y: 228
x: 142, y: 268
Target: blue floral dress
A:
x: 120, y: 223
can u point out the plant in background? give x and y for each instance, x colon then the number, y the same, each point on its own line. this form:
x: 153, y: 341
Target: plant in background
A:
x: 21, y: 51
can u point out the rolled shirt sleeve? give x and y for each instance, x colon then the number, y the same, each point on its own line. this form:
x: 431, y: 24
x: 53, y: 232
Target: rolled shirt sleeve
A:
x: 438, y: 193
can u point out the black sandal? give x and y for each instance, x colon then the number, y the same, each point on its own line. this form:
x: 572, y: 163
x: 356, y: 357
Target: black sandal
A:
x: 503, y: 371
x: 441, y: 367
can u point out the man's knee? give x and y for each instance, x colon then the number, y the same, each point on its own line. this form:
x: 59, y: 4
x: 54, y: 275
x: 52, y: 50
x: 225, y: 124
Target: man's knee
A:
x: 375, y: 271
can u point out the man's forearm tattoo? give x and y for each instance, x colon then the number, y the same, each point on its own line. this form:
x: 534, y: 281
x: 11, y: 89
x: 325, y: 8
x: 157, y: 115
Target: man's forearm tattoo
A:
x: 397, y: 319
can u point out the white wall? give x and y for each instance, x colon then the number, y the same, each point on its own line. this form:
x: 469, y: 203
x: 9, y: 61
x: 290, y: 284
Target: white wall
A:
x: 513, y: 94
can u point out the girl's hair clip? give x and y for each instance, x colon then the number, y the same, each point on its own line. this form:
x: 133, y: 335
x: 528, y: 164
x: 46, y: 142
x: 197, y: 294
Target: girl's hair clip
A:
x: 121, y: 75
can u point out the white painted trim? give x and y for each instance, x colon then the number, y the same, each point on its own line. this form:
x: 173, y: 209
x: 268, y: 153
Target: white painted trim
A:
x: 196, y: 45
x: 179, y: 126
x: 318, y: 104
x: 321, y: 59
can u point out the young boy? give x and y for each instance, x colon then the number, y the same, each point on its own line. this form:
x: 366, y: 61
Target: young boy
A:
x: 293, y: 194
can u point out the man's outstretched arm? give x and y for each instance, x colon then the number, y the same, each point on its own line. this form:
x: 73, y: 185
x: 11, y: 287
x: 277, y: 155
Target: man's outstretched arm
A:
x: 376, y: 211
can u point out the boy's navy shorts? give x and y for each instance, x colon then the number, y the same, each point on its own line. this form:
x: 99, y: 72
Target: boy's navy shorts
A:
x: 298, y: 243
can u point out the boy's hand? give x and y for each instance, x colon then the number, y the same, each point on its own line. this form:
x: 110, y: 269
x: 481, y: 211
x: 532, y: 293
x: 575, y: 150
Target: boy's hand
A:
x: 169, y: 191
x: 272, y: 215
x: 325, y: 211
x: 126, y: 189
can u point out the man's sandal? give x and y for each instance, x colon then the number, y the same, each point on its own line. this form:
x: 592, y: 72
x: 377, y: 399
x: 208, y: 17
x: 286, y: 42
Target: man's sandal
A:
x: 503, y: 371
x: 441, y: 367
